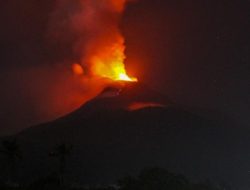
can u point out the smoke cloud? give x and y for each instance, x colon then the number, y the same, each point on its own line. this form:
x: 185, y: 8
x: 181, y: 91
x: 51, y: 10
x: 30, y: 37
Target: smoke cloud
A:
x: 91, y: 29
x: 38, y: 94
x: 45, y: 88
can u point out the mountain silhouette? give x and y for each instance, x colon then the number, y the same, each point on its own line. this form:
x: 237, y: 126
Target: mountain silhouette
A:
x: 111, y: 138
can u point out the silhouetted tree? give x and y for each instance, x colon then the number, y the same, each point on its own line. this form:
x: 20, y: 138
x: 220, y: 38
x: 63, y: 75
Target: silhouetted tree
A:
x: 43, y: 183
x: 155, y: 178
x: 11, y: 149
x: 161, y: 179
x: 208, y: 185
x: 61, y: 152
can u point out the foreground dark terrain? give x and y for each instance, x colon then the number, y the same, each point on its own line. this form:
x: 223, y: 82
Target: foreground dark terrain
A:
x: 105, y: 140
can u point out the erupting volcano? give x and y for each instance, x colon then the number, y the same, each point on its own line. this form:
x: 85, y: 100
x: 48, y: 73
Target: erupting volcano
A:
x: 81, y: 116
x: 101, y: 45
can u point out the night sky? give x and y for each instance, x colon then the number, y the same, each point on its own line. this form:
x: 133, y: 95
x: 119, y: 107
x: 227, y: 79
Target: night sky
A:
x: 196, y: 52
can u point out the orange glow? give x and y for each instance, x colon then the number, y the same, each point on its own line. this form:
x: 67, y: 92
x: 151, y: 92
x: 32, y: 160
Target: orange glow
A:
x: 103, y: 52
x: 77, y: 69
x: 118, y: 5
x: 142, y: 105
x: 108, y: 62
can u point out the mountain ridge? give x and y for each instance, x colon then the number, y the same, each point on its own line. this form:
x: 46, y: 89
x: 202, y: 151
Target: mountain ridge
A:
x: 112, y: 141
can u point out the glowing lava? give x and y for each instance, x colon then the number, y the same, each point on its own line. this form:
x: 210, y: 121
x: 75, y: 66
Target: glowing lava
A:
x: 108, y: 61
x: 102, y: 52
x: 142, y: 105
x: 125, y: 77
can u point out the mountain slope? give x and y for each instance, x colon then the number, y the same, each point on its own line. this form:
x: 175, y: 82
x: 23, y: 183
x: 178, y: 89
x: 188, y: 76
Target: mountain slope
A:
x: 111, y: 140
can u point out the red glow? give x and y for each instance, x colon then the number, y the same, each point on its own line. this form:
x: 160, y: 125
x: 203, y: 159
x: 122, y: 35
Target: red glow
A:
x: 77, y: 69
x: 142, y: 105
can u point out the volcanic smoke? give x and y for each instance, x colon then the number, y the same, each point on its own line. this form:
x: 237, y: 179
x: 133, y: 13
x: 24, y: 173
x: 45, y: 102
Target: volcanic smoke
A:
x: 99, y: 44
x: 84, y: 37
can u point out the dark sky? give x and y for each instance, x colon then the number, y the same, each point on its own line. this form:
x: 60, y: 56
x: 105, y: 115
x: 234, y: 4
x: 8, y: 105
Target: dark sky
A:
x: 196, y: 52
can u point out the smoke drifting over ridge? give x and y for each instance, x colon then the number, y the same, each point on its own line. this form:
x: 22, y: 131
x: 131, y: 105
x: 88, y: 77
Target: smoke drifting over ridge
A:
x: 90, y: 29
x: 76, y: 32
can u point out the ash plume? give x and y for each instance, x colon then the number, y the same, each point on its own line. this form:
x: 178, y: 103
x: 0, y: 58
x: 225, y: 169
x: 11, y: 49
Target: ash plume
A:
x: 91, y: 29
x: 78, y: 32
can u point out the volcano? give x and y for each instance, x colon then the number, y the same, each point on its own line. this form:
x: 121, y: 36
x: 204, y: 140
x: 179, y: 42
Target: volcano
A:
x: 128, y: 127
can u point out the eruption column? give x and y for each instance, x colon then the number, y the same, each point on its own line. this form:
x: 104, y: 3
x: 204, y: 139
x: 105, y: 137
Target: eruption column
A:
x: 100, y: 43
